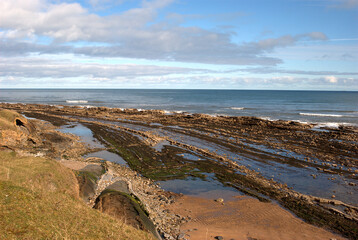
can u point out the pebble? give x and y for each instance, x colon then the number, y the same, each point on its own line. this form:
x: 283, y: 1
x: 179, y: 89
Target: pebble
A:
x: 219, y: 200
x: 181, y: 236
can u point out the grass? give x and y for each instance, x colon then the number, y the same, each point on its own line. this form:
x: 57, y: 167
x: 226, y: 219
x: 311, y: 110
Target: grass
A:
x: 39, y: 200
x: 9, y: 115
x: 7, y: 119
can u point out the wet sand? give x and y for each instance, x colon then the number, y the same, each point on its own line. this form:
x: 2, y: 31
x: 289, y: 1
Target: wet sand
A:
x: 243, y: 218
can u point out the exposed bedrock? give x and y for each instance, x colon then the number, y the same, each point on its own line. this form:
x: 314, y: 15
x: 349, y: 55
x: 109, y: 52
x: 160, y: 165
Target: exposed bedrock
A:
x: 312, y: 172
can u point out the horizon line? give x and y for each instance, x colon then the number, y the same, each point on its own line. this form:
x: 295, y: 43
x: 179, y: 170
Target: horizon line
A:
x: 206, y: 89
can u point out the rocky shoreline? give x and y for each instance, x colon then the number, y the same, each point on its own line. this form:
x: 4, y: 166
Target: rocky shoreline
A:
x: 152, y: 198
x: 40, y: 139
x: 132, y: 134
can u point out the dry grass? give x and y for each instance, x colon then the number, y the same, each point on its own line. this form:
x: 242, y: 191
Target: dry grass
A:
x: 7, y: 119
x: 39, y: 200
x: 9, y: 115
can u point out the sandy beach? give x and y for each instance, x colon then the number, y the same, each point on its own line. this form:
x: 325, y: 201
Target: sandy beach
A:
x: 243, y: 218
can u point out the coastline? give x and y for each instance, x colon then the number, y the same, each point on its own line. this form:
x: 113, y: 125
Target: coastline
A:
x: 305, y: 106
x: 103, y: 120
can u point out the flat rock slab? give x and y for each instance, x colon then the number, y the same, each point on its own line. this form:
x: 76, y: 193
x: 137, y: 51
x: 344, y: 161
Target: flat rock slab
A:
x: 74, y: 165
x: 87, y: 186
x: 120, y: 186
x: 87, y: 178
x: 98, y: 170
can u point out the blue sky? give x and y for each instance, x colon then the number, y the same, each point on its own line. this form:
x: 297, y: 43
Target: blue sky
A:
x: 212, y: 44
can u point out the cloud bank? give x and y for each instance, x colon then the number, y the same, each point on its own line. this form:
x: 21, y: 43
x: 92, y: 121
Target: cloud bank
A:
x: 72, y: 44
x: 134, y: 33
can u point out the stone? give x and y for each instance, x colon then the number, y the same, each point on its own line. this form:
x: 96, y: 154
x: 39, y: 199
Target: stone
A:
x: 181, y: 236
x: 120, y: 186
x: 219, y: 200
x: 219, y: 238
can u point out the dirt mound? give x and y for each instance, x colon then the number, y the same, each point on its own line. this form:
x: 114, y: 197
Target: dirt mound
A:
x: 15, y: 129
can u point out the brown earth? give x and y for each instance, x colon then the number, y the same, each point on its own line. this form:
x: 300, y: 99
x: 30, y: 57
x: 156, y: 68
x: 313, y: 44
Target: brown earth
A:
x: 243, y: 218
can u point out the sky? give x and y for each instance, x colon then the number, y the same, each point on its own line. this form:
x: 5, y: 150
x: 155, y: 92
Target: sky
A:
x: 179, y: 44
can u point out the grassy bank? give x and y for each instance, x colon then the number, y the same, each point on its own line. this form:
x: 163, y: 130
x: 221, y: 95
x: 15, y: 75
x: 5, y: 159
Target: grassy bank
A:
x: 39, y: 200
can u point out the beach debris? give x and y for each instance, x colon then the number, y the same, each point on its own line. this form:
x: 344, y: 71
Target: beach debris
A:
x: 181, y: 236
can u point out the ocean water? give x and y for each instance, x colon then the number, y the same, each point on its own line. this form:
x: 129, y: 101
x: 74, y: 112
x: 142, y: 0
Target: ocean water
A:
x: 326, y: 108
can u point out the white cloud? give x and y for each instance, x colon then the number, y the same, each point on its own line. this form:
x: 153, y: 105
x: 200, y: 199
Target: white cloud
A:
x: 132, y: 33
x: 331, y: 79
x: 46, y: 72
x: 287, y: 40
x: 272, y: 70
x: 44, y: 68
x: 71, y: 22
x: 35, y: 32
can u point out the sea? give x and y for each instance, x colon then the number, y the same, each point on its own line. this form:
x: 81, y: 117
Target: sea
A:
x: 324, y: 108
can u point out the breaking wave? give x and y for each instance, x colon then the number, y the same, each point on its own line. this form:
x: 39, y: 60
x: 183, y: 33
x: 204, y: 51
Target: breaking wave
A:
x: 321, y: 115
x: 76, y: 101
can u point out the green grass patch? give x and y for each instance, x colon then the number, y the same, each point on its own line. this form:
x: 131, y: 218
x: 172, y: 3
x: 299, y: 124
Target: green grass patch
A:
x: 39, y: 200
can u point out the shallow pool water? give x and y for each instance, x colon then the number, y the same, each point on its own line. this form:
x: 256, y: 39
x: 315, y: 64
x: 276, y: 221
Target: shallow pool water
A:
x: 211, y: 189
x: 83, y: 132
x: 109, y: 156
